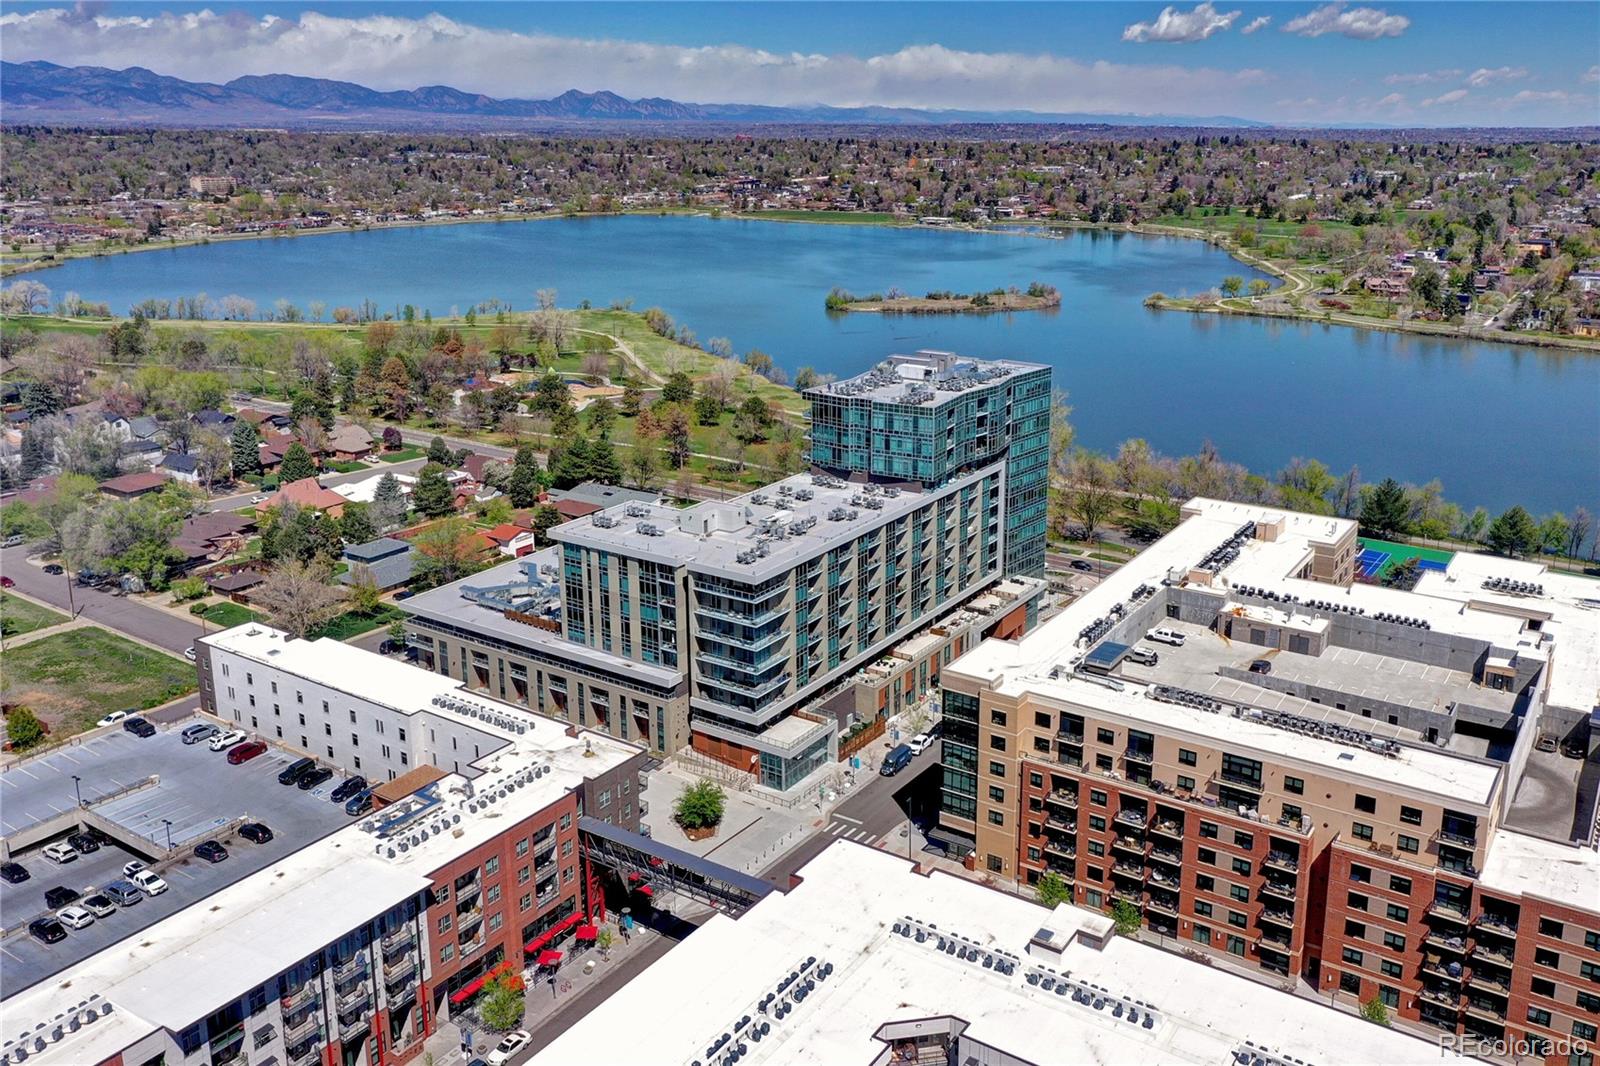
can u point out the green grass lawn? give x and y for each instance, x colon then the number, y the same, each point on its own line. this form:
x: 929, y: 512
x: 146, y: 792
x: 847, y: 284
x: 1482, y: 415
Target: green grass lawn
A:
x: 71, y: 679
x: 24, y: 616
x: 402, y: 455
x: 353, y: 625
x: 1264, y: 227
x: 343, y: 467
x: 227, y: 613
x: 852, y: 217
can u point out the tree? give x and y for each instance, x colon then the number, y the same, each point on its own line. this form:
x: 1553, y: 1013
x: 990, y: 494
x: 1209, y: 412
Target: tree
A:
x: 602, y: 415
x: 37, y: 445
x: 1385, y: 510
x: 1259, y: 286
x: 246, y: 449
x: 393, y: 439
x: 355, y: 524
x: 632, y: 398
x: 297, y: 597
x: 1375, y: 1011
x: 700, y: 805
x: 394, y: 387
x: 1513, y: 533
x: 1150, y: 519
x: 388, y: 504
x: 365, y: 597
x: 675, y: 432
x: 642, y: 465
x: 545, y: 518
x: 446, y: 552
x: 1051, y: 890
x: 603, y: 463
x: 678, y: 389
x: 707, y: 410
x: 1553, y: 533
x: 439, y: 452
x: 1127, y: 917
x: 23, y: 728
x: 524, y: 486
x: 1232, y: 284
x: 504, y: 999
x: 431, y: 495
x: 1092, y: 499
x: 212, y: 455
x: 296, y: 465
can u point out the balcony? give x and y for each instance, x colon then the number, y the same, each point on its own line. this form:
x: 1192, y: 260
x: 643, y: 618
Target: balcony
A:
x: 1493, y: 953
x: 1281, y: 860
x: 302, y: 1056
x: 1439, y: 996
x: 1138, y: 755
x: 1465, y: 836
x: 1064, y: 851
x: 1278, y: 891
x: 1167, y: 827
x: 1059, y: 825
x: 295, y: 1000
x: 1276, y: 939
x: 1161, y: 877
x: 306, y: 1027
x: 1487, y: 1011
x: 1160, y: 906
x: 351, y: 1026
x: 1494, y: 923
x: 1129, y: 816
x: 356, y: 997
x: 399, y: 940
x: 1489, y: 982
x: 1128, y: 869
x: 1130, y: 845
x: 1452, y: 945
x: 1275, y: 917
x: 1170, y: 856
x: 1067, y: 801
x: 394, y: 972
x: 1448, y: 913
x: 1441, y: 971
x: 1070, y: 736
x: 349, y: 967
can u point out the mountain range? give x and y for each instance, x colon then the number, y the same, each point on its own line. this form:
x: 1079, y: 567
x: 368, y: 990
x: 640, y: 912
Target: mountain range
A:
x: 46, y: 93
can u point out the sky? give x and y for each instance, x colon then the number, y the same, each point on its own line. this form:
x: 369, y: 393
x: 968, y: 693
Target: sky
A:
x: 1440, y: 63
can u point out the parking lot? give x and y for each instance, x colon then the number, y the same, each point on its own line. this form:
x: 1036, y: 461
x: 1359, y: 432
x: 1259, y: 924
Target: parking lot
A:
x: 198, y: 792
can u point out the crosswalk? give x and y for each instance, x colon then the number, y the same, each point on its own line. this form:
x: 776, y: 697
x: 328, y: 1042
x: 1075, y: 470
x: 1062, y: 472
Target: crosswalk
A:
x: 844, y: 831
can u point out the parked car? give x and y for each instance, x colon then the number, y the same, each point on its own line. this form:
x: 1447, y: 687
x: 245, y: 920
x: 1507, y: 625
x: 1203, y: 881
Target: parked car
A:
x: 188, y: 653
x: 292, y: 772
x: 242, y: 753
x: 123, y: 893
x: 194, y: 734
x: 347, y: 788
x: 15, y: 540
x: 1260, y: 666
x: 13, y: 873
x: 898, y: 759
x: 513, y: 1043
x: 260, y: 498
x: 84, y: 843
x: 1545, y: 742
x: 920, y: 743
x: 53, y: 569
x: 255, y: 832
x: 47, y: 930
x: 1163, y: 635
x: 139, y: 727
x: 360, y: 803
x: 149, y: 882
x: 1574, y: 749
x: 60, y: 853
x: 224, y: 741
x: 113, y: 718
x: 1143, y: 656
x: 131, y: 867
x: 60, y: 896
x: 75, y: 917
x: 99, y: 905
x: 7, y: 583
x: 210, y: 851
x: 312, y: 778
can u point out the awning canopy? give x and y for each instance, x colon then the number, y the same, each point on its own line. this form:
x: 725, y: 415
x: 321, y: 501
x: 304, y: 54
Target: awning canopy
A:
x: 587, y: 932
x: 646, y: 891
x: 549, y: 958
x: 468, y: 990
x: 554, y: 931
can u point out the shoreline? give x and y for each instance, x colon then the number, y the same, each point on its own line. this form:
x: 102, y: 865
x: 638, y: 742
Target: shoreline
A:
x: 1241, y: 306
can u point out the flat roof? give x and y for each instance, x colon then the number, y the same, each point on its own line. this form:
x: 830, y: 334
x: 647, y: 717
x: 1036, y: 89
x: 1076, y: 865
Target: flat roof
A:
x: 926, y: 378
x: 756, y: 535
x: 1523, y: 865
x: 842, y: 914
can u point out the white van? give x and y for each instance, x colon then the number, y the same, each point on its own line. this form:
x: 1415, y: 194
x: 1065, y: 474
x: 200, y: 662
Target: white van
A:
x: 1163, y: 635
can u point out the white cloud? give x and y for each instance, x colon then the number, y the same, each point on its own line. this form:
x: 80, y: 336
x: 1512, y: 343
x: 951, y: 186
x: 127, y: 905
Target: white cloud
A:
x: 389, y: 52
x: 1392, y: 100
x: 1531, y: 96
x: 1362, y: 23
x: 1592, y: 74
x: 1423, y: 78
x: 1181, y: 27
x: 1489, y: 75
x: 1258, y: 23
x: 1445, y: 98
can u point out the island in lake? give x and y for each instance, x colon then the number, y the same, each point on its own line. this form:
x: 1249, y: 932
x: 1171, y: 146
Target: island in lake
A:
x: 1037, y: 297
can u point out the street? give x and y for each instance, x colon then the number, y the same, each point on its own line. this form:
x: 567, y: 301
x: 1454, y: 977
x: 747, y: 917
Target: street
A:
x: 122, y: 614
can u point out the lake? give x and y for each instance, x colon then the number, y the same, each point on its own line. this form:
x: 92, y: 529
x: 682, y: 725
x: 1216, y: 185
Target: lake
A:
x: 1497, y: 424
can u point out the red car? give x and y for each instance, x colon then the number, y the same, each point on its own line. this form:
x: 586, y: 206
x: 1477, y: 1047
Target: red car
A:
x: 7, y: 583
x: 245, y: 752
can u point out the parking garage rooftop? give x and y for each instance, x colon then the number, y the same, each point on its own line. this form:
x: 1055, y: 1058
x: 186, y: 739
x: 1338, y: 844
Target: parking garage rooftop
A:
x: 879, y: 986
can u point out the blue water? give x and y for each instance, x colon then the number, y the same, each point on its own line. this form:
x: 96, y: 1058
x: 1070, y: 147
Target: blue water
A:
x: 1497, y: 424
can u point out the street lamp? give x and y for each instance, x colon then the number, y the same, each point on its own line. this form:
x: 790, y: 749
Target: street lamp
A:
x: 168, y: 823
x: 76, y: 789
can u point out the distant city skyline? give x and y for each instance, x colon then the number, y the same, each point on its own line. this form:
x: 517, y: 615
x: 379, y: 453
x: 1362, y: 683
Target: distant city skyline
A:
x: 1433, y: 64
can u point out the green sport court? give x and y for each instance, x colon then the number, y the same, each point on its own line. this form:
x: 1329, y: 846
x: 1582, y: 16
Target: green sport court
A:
x: 1376, y: 558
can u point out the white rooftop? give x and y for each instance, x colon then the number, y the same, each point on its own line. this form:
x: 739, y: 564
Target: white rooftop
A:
x: 1519, y: 864
x: 843, y: 911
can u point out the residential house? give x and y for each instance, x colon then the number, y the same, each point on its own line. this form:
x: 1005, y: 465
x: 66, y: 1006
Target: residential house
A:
x: 215, y: 420
x: 212, y: 537
x: 476, y: 465
x: 180, y: 466
x: 573, y: 509
x: 145, y: 427
x: 391, y: 561
x: 264, y: 420
x: 136, y: 455
x: 1391, y: 288
x: 33, y: 492
x: 350, y: 442
x: 511, y: 539
x: 132, y: 486
x: 603, y: 495
x: 237, y: 584
x: 307, y: 492
x: 366, y: 490
x: 272, y: 449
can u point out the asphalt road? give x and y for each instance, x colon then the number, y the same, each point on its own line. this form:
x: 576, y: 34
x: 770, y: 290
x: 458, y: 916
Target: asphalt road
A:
x: 125, y: 614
